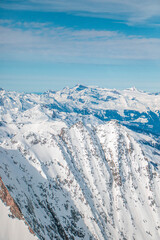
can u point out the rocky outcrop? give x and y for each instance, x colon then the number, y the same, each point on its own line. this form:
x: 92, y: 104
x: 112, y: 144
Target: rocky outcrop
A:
x: 9, y: 201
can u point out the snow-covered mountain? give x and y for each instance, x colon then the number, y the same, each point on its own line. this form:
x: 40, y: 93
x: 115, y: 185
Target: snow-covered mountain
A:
x: 83, y: 163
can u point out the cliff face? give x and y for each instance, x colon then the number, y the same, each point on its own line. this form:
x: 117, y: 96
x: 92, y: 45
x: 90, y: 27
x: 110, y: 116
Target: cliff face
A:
x: 9, y: 201
x: 89, y: 172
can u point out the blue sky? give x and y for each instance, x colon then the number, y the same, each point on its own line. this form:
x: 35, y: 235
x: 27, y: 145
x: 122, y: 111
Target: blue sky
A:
x: 52, y: 44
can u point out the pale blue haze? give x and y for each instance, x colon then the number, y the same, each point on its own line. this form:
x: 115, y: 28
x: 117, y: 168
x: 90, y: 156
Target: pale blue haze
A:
x: 53, y: 45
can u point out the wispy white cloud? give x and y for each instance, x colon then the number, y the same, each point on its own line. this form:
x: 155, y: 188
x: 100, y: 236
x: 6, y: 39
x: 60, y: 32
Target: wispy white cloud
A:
x: 42, y: 41
x: 134, y: 11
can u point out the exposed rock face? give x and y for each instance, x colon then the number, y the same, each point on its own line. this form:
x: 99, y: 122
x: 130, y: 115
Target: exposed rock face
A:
x: 9, y: 201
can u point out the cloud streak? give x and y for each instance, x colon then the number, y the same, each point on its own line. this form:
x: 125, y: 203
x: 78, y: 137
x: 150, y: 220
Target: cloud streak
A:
x: 131, y: 11
x: 34, y: 41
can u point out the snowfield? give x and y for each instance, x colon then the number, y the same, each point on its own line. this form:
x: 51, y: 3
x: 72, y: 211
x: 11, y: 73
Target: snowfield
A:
x: 83, y: 163
x: 12, y: 228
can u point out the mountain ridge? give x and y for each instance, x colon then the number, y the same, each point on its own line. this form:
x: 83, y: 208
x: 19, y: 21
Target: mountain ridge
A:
x: 77, y: 166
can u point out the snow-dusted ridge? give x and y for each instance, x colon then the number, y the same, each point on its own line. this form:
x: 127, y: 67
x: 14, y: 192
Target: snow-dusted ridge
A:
x: 83, y: 163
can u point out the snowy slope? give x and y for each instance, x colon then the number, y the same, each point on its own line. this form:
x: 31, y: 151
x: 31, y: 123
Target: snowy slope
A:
x: 12, y: 228
x: 83, y: 163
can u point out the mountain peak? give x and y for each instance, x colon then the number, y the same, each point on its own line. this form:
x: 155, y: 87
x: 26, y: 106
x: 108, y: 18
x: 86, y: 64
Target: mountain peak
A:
x: 133, y: 89
x: 80, y: 87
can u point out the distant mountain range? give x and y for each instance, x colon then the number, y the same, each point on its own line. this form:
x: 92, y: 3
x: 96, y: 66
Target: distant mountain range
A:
x: 80, y: 163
